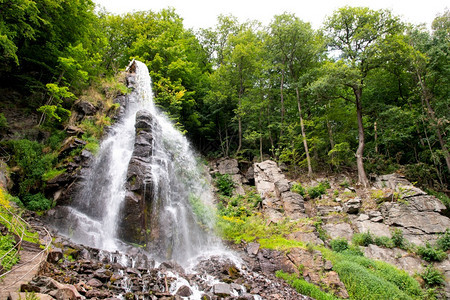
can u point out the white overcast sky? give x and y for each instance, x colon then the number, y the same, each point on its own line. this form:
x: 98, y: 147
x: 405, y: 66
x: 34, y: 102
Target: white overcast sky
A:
x: 203, y: 13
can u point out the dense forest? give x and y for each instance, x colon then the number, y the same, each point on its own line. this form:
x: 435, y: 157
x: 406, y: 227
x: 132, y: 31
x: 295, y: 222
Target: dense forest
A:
x: 367, y: 92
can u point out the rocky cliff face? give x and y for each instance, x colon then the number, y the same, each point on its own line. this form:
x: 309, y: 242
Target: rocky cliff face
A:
x: 139, y: 217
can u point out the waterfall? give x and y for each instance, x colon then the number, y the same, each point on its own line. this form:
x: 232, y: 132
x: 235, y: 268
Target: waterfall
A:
x: 170, y: 180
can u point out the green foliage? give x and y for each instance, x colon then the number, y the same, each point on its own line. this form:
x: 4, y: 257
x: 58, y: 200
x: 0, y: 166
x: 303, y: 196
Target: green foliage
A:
x: 432, y: 277
x: 430, y: 253
x: 339, y: 245
x: 363, y: 239
x: 383, y: 241
x: 443, y: 242
x: 298, y: 188
x: 52, y: 174
x: 224, y: 184
x: 37, y: 202
x: 398, y: 239
x: 341, y: 155
x: 304, y: 287
x: 56, y: 138
x: 33, y: 163
x: 365, y: 278
x: 3, y: 122
x: 240, y: 205
x: 255, y: 227
x: 318, y: 190
x: 7, y: 244
x: 204, y: 214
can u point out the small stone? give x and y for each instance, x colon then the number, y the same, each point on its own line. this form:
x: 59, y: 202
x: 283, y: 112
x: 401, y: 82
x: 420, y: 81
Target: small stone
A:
x: 377, y: 219
x: 184, y: 291
x: 97, y: 294
x: 252, y: 249
x: 54, y: 255
x: 362, y: 217
x: 63, y: 294
x: 222, y: 289
x: 328, y: 265
x: 94, y: 283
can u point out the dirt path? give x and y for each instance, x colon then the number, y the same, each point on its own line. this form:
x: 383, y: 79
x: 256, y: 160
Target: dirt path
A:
x: 31, y: 258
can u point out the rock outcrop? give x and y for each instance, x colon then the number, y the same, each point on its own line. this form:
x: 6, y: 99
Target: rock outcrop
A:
x: 138, y: 210
x: 230, y: 166
x: 277, y: 199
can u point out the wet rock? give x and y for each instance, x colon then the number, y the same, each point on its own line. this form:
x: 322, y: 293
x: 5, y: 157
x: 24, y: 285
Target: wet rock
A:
x: 64, y: 294
x: 137, y: 212
x: 55, y: 255
x: 101, y: 294
x: 94, y: 283
x: 222, y: 290
x: 184, y: 291
x: 102, y: 274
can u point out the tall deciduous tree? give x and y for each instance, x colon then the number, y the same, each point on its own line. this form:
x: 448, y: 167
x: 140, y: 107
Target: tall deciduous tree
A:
x: 355, y: 33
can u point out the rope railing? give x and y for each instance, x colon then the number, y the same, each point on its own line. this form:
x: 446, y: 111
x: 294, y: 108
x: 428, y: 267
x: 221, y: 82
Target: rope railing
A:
x: 4, y: 155
x: 18, y: 225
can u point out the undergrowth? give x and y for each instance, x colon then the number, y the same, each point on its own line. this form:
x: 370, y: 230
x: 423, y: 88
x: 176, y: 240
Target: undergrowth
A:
x: 304, y: 287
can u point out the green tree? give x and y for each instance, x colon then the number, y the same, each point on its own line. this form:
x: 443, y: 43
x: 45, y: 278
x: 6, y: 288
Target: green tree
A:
x: 356, y: 32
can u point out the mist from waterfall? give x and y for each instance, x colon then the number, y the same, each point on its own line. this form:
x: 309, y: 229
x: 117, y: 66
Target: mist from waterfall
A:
x: 176, y: 177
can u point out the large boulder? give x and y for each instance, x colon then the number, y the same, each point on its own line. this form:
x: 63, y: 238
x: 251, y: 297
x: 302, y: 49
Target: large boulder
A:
x: 137, y: 213
x: 274, y: 189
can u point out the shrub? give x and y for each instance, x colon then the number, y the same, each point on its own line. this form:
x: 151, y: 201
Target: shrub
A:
x: 383, y: 241
x: 298, y: 188
x: 362, y: 239
x: 430, y: 253
x: 33, y: 163
x: 339, y: 245
x: 397, y: 238
x: 7, y: 260
x: 304, y: 287
x: 37, y: 202
x: 432, y: 277
x: 318, y: 190
x: 56, y: 138
x: 444, y: 241
x: 225, y: 184
x: 3, y: 122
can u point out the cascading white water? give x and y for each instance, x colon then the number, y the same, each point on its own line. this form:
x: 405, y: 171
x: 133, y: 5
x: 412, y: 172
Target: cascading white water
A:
x: 175, y: 177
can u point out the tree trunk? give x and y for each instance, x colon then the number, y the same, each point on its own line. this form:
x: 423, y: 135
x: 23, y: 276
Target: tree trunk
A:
x: 305, y: 142
x: 362, y: 178
x: 260, y: 135
x: 430, y: 112
x: 282, y: 103
x: 376, y: 136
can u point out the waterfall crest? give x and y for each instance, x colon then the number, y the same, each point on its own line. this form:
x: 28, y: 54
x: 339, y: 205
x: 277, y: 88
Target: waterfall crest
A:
x: 140, y: 188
